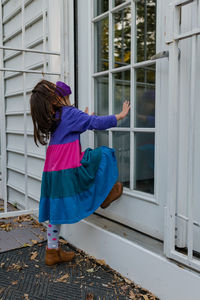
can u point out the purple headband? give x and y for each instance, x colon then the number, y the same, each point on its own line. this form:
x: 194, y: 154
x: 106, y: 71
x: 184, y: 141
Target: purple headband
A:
x: 63, y: 89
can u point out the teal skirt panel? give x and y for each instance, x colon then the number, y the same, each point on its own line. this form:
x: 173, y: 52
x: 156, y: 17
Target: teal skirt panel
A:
x: 67, y: 183
x: 68, y: 197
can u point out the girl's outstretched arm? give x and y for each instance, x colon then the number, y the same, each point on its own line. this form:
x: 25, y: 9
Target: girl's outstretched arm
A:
x: 79, y: 121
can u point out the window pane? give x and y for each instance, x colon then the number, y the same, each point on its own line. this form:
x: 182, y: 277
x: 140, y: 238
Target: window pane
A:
x: 121, y: 82
x: 122, y: 37
x: 144, y: 162
x: 101, y: 95
x: 101, y: 138
x: 100, y: 6
x: 146, y: 29
x: 145, y: 97
x: 101, y: 45
x: 118, y: 2
x: 121, y: 143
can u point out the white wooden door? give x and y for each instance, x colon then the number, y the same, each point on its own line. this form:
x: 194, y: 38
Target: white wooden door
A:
x: 116, y: 40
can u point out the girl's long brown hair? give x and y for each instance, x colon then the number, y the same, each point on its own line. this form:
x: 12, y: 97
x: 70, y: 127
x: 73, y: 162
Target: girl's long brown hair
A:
x: 44, y: 103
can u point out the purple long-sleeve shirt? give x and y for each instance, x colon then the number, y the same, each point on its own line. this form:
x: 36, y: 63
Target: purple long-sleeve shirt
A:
x: 74, y: 122
x: 64, y: 150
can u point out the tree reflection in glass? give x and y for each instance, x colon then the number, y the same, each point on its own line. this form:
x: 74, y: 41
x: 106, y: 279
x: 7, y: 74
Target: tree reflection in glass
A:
x: 102, y: 45
x: 100, y: 6
x: 122, y: 37
x: 146, y: 29
x: 118, y: 2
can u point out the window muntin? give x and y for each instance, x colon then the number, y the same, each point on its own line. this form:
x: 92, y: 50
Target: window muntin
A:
x: 125, y: 73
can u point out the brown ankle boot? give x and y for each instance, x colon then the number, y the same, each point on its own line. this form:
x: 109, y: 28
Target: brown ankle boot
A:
x: 54, y: 256
x: 114, y: 194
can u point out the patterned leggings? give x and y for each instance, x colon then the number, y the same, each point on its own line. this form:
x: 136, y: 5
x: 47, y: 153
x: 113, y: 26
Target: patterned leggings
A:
x: 53, y: 232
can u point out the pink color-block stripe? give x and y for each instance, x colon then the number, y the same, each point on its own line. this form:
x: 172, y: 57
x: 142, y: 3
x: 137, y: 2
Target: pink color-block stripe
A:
x: 64, y: 156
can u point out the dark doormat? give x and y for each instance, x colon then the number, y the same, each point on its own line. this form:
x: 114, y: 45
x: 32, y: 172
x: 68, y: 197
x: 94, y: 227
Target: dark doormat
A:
x: 24, y: 275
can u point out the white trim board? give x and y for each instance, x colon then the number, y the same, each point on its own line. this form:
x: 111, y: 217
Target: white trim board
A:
x: 146, y: 266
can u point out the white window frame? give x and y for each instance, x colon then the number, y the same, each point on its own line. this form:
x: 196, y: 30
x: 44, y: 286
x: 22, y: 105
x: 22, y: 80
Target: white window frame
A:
x: 132, y: 66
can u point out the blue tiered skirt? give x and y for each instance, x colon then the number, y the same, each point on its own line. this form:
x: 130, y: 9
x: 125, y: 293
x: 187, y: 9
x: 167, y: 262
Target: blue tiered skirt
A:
x: 67, y: 196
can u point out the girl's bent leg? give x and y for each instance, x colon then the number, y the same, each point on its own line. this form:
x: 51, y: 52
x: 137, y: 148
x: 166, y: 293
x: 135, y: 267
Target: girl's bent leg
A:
x: 53, y: 232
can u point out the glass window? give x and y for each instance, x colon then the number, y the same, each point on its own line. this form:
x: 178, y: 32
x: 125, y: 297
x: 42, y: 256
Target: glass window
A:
x: 121, y: 143
x: 145, y: 97
x: 118, y: 2
x: 121, y: 92
x: 101, y: 95
x: 146, y: 29
x: 102, y: 45
x: 113, y: 87
x: 100, y: 6
x: 101, y: 138
x: 122, y: 37
x: 144, y: 162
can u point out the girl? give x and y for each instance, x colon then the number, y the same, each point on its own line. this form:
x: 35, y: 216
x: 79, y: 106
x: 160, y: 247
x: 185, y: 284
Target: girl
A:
x: 74, y: 183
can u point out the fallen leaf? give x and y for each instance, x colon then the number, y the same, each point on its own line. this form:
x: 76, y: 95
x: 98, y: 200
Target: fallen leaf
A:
x: 17, y: 267
x: 34, y: 255
x: 63, y: 241
x: 14, y: 282
x: 90, y: 297
x: 124, y: 288
x: 90, y: 270
x: 132, y: 295
x: 26, y: 297
x: 37, y: 266
x: 2, y: 265
x: 63, y: 278
x: 41, y: 237
x: 101, y: 261
x: 128, y: 280
x: 145, y: 297
x: 26, y: 245
x: 34, y: 242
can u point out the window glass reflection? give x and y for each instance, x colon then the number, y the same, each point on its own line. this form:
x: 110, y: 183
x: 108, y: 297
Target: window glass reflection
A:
x: 102, y: 45
x: 145, y: 97
x: 101, y: 138
x: 146, y: 29
x: 144, y: 162
x: 122, y: 37
x: 121, y: 143
x: 101, y: 95
x: 118, y: 2
x: 121, y: 84
x: 100, y: 6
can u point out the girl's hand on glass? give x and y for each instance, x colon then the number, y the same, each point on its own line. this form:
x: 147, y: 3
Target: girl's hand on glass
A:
x: 125, y: 109
x: 87, y: 111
